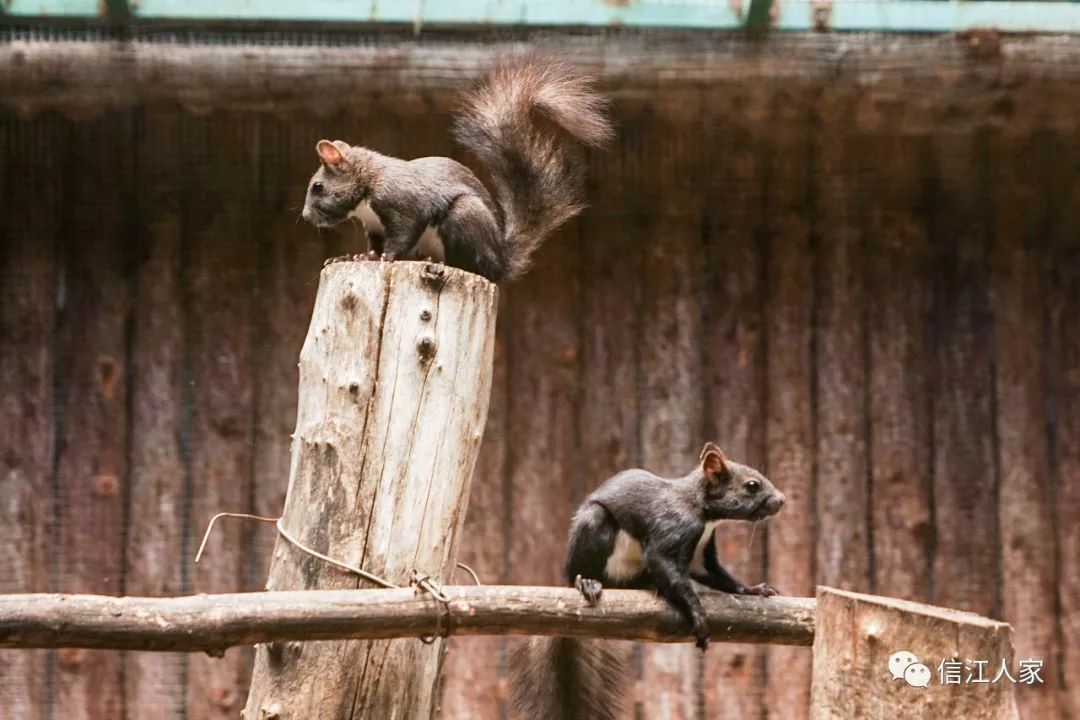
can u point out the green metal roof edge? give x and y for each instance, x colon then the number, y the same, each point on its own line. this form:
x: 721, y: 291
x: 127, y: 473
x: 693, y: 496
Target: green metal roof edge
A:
x: 845, y: 15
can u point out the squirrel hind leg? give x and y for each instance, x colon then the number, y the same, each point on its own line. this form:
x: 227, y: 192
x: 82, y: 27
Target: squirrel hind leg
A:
x: 472, y: 239
x: 592, y: 541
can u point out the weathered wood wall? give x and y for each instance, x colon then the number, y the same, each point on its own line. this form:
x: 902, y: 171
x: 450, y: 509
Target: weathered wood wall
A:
x: 870, y: 293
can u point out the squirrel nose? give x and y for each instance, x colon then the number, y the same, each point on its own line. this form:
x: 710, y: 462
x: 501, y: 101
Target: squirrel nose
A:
x: 780, y: 498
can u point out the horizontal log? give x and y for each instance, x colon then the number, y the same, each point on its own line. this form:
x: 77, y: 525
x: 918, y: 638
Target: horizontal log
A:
x: 212, y: 623
x: 306, y: 72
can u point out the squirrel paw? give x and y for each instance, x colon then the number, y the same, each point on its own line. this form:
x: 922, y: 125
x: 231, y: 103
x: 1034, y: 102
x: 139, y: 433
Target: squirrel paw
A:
x: 339, y: 258
x: 591, y: 589
x: 387, y: 257
x: 701, y: 632
x: 761, y: 589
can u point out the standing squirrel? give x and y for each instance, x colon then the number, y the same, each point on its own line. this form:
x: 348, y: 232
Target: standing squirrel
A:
x: 639, y: 530
x: 528, y: 125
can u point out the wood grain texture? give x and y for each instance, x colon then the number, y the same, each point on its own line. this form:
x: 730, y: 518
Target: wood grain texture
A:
x: 29, y: 154
x: 937, y: 353
x: 856, y: 634
x: 213, y: 622
x: 1023, y: 453
x: 297, y: 76
x: 472, y: 680
x: 733, y: 361
x: 92, y: 428
x: 672, y: 406
x: 671, y: 382
x: 154, y: 554
x: 543, y: 347
x: 1063, y: 185
x: 219, y: 288
x: 967, y: 556
x: 840, y: 354
x: 608, y: 416
x: 287, y: 260
x: 789, y: 459
x: 898, y: 265
x: 395, y: 374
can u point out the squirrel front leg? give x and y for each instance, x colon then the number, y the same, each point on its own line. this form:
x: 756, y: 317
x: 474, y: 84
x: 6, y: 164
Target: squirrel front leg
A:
x: 673, y: 583
x: 717, y: 577
x: 399, y: 239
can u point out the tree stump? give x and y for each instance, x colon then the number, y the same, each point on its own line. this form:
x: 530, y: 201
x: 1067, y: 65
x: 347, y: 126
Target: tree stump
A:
x: 395, y: 376
x: 856, y: 636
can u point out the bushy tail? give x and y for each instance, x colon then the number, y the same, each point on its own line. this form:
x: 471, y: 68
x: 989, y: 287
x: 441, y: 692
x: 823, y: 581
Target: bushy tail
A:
x: 562, y: 678
x: 527, y: 125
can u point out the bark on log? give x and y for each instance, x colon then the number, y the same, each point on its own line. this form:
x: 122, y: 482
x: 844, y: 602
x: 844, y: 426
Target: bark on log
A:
x: 395, y: 376
x: 211, y: 623
x: 856, y: 635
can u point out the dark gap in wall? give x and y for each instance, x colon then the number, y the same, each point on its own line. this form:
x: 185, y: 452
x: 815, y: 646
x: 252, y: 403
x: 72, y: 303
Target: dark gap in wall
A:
x: 813, y: 155
x: 984, y: 173
x: 1049, y: 146
x: 185, y: 439
x: 930, y: 182
x: 61, y: 389
x: 260, y: 342
x: 862, y: 202
x: 128, y: 128
x: 766, y: 157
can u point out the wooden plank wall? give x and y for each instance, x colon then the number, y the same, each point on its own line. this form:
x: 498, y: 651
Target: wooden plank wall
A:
x: 872, y: 300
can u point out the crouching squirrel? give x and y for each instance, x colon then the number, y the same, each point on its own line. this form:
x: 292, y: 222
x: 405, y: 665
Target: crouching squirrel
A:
x: 638, y: 530
x: 527, y: 125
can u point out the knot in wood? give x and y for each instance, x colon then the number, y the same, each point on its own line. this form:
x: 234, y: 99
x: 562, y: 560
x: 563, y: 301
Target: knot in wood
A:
x: 70, y: 658
x: 106, y: 485
x: 426, y: 348
x: 108, y: 370
x: 349, y: 302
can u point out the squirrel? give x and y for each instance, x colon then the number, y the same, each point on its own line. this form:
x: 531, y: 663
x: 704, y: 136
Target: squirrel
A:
x: 528, y: 125
x: 639, y: 530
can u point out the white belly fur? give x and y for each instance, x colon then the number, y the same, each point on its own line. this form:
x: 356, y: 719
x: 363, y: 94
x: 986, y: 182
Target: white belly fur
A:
x: 697, y: 563
x: 367, y: 217
x: 430, y: 245
x: 627, y: 557
x: 625, y: 561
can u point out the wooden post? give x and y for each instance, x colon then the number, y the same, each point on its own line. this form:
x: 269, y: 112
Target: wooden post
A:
x: 855, y: 636
x: 395, y: 375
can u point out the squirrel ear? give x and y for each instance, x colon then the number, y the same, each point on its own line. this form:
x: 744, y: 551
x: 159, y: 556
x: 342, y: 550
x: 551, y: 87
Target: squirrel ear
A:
x: 329, y: 152
x: 712, y: 459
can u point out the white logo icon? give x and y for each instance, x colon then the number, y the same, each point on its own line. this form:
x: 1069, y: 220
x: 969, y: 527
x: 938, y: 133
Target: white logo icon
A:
x: 917, y: 675
x: 899, y: 662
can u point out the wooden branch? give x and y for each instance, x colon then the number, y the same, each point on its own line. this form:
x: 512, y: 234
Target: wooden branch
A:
x: 212, y: 623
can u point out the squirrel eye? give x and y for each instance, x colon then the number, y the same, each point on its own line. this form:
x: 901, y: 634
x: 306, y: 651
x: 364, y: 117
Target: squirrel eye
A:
x: 317, y: 188
x: 753, y: 486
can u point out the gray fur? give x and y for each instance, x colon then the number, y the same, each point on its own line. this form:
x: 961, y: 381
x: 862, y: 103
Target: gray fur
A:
x: 527, y: 126
x: 563, y: 678
x: 672, y: 520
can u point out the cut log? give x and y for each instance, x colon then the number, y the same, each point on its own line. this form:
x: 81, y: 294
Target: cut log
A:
x: 856, y: 635
x: 395, y: 376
